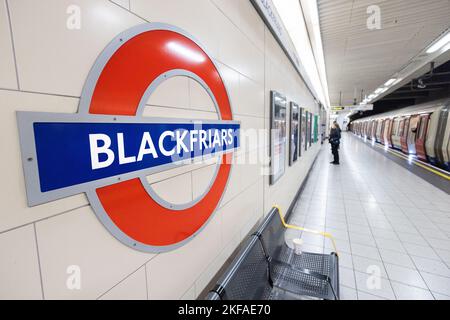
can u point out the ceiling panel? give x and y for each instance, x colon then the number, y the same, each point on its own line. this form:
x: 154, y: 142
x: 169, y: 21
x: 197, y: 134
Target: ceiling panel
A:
x: 357, y: 58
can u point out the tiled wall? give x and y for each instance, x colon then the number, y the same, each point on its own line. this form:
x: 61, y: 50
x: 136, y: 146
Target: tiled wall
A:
x: 43, y: 67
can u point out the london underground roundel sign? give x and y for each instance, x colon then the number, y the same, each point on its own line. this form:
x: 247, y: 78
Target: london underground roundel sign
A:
x: 108, y: 148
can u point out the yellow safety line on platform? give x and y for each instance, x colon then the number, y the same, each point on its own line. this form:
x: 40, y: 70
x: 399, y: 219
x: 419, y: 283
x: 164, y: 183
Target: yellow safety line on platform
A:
x: 402, y: 156
x: 292, y: 227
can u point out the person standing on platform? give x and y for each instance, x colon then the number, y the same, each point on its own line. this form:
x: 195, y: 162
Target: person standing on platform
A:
x: 335, y: 141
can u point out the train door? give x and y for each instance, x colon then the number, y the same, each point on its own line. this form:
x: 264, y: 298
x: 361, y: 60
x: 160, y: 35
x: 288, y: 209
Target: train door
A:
x: 394, y: 133
x: 383, y: 130
x: 421, y: 137
x: 399, y: 133
x: 404, y: 127
x: 412, y: 134
x: 442, y: 138
x: 379, y: 130
x: 430, y: 140
x: 388, y: 133
x: 374, y: 130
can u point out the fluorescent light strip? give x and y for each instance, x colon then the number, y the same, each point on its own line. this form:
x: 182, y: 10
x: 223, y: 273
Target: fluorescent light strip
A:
x: 390, y: 82
x: 291, y: 14
x: 440, y: 44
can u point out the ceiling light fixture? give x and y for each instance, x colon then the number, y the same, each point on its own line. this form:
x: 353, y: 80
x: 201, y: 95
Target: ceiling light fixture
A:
x: 380, y: 91
x: 390, y: 82
x: 439, y: 44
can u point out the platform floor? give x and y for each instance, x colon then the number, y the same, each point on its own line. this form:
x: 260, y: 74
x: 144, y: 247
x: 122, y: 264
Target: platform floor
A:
x: 386, y: 220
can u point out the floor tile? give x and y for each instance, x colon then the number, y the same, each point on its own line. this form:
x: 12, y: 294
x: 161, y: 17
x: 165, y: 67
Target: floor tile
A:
x: 439, y: 244
x: 406, y: 276
x: 412, y: 238
x: 368, y: 297
x: 444, y: 255
x: 431, y: 266
x: 365, y: 251
x: 366, y: 240
x: 437, y: 284
x: 384, y: 234
x: 366, y: 265
x: 396, y: 258
x: 347, y: 277
x: 420, y: 251
x: 405, y: 292
x: 375, y: 286
x: 393, y: 245
x: 347, y: 293
x: 345, y: 260
x: 439, y: 296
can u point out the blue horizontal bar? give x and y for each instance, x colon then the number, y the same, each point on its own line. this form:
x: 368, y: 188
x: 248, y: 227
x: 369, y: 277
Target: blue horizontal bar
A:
x: 65, y: 151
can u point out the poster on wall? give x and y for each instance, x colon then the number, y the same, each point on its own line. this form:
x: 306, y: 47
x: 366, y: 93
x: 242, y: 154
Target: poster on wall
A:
x: 310, y: 128
x: 316, y: 128
x: 277, y: 136
x: 294, y: 134
x: 306, y: 117
x: 301, y: 142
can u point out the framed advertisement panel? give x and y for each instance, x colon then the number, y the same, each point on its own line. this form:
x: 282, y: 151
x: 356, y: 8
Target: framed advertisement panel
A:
x: 278, y: 139
x: 306, y: 130
x: 301, y: 142
x: 310, y: 123
x: 294, y: 134
x: 316, y: 128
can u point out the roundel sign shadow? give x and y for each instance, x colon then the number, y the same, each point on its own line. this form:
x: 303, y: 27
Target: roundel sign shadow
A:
x: 108, y: 148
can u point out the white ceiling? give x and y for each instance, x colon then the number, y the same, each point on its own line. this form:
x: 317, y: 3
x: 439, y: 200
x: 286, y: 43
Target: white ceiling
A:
x: 357, y: 58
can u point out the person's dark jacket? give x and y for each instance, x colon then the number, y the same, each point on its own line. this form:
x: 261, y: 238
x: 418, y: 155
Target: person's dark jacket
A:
x: 335, y: 136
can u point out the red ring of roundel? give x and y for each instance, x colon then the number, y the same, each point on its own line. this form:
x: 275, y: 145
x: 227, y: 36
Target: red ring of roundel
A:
x: 120, y: 87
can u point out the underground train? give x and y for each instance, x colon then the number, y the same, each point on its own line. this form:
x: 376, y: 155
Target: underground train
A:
x: 422, y: 130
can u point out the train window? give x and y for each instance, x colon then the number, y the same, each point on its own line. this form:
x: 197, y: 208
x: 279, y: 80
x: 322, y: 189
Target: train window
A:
x: 394, y: 128
x: 402, y: 127
x: 423, y: 125
x: 406, y: 128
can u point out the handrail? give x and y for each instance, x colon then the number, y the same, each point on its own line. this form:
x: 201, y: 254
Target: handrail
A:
x: 292, y: 227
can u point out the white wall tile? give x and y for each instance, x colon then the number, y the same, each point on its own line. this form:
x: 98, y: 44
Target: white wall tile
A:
x: 243, y: 15
x: 173, y: 92
x: 123, y: 3
x: 250, y: 60
x: 190, y: 294
x: 13, y: 193
x: 182, y: 168
x: 132, y: 288
x: 198, y: 17
x: 183, y: 186
x: 231, y: 79
x: 211, y: 270
x: 79, y: 239
x: 166, y: 112
x: 61, y: 58
x: 19, y: 268
x: 251, y: 98
x: 199, y: 99
x: 201, y: 180
x: 237, y: 212
x: 8, y: 78
x: 171, y: 274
